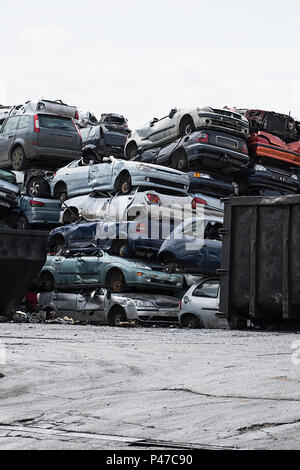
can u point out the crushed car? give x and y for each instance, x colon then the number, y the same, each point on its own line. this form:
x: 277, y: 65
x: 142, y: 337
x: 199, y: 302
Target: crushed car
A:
x: 9, y: 194
x: 91, y: 267
x: 114, y: 175
x: 201, y: 150
x: 103, y: 307
x: 103, y: 140
x: 265, y: 180
x: 46, y: 106
x: 38, y: 213
x: 195, y: 246
x: 183, y: 121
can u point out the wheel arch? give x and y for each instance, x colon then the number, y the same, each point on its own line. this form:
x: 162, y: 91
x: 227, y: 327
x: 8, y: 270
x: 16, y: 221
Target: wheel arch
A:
x: 116, y: 308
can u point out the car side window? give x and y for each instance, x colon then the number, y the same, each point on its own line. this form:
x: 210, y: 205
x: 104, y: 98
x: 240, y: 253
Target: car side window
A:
x: 24, y: 122
x: 10, y: 125
x: 209, y: 289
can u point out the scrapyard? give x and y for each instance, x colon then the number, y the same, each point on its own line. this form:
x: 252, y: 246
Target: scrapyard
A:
x: 138, y: 269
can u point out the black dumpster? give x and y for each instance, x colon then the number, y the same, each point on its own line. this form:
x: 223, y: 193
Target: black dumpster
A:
x: 22, y: 256
x: 260, y: 270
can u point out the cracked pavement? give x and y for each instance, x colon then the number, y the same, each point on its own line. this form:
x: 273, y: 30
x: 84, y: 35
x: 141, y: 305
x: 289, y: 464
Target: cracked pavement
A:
x: 88, y: 387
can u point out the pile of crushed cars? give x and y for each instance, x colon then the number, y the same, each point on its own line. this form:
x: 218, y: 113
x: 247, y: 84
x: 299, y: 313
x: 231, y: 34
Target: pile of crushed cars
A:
x: 135, y: 216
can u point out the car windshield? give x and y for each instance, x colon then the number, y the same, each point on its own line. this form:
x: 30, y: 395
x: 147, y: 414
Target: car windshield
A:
x: 8, y: 176
x: 56, y: 122
x: 208, y: 289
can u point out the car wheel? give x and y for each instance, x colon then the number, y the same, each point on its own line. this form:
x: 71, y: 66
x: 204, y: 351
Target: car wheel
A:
x: 190, y: 321
x: 124, y: 184
x: 22, y: 223
x: 116, y: 281
x: 37, y: 187
x: 117, y: 317
x: 70, y: 216
x: 186, y: 126
x: 47, y: 282
x: 131, y: 151
x: 18, y: 159
x: 120, y: 248
x: 169, y: 262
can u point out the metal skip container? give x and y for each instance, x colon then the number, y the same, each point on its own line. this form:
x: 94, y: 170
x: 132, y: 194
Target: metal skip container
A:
x: 22, y: 256
x: 260, y: 270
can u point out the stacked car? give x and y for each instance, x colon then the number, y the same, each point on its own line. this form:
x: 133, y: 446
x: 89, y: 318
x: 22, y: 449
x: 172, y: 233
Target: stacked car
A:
x: 136, y: 216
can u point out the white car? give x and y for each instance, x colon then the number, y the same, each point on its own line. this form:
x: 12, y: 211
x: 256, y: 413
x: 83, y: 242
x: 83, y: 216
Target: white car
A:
x: 199, y: 307
x: 138, y: 204
x: 114, y: 175
x: 183, y: 121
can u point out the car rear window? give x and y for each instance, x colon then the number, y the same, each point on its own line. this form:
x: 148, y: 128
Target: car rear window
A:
x: 56, y: 122
x: 8, y: 176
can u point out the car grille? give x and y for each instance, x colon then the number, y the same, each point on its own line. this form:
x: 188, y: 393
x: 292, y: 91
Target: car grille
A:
x: 228, y: 124
x: 164, y: 306
x: 227, y: 113
x: 166, y: 183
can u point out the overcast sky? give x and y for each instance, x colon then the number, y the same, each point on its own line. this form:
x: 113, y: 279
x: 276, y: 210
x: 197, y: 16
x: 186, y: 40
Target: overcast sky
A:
x: 142, y: 58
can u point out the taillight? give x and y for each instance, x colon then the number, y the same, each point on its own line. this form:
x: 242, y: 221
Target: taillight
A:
x: 202, y: 137
x: 153, y: 198
x: 245, y: 148
x: 77, y: 129
x: 180, y: 305
x: 36, y: 124
x: 198, y: 200
x: 34, y: 203
x: 76, y: 115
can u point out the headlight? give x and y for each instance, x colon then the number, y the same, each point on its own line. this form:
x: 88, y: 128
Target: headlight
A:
x: 142, y: 167
x: 295, y: 177
x: 205, y: 109
x: 260, y: 168
x: 142, y: 266
x: 143, y: 303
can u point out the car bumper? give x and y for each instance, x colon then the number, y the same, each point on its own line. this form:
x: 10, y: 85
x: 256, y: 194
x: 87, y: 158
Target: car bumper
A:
x: 262, y: 180
x: 156, y: 180
x: 226, y: 158
x: 158, y: 316
x: 212, y: 186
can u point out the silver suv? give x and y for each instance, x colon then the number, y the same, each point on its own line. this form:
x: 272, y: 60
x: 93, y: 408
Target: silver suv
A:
x: 28, y: 137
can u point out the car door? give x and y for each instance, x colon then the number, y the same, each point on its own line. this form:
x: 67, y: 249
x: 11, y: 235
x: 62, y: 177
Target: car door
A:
x: 100, y: 176
x: 75, y: 176
x: 89, y: 270
x: 205, y: 302
x: 164, y: 129
x: 90, y: 307
x: 66, y: 270
x: 7, y: 137
x: 65, y: 303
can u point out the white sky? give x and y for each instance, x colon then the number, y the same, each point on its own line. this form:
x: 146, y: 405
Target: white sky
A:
x: 143, y: 58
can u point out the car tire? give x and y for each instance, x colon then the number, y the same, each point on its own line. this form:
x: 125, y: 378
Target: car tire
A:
x: 46, y: 282
x: 124, y: 184
x: 19, y: 161
x: 131, y: 150
x: 190, y: 321
x: 60, y: 192
x: 120, y: 248
x: 37, y: 187
x: 116, y: 281
x: 22, y: 223
x: 70, y: 216
x: 186, y: 126
x: 117, y: 317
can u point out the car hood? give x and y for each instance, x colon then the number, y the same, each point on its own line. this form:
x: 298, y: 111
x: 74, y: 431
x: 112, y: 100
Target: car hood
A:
x: 156, y: 299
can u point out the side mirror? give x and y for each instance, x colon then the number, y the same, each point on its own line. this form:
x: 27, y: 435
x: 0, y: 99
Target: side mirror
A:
x: 106, y: 160
x: 186, y: 299
x: 91, y: 162
x: 172, y: 113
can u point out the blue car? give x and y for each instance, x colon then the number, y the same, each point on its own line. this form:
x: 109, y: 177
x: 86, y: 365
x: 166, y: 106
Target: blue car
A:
x: 37, y: 212
x: 194, y: 246
x: 142, y: 237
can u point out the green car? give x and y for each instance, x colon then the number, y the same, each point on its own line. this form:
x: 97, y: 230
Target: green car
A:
x: 92, y: 268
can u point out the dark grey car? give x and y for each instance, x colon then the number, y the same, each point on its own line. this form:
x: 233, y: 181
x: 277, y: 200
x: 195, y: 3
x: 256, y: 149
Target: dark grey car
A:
x: 48, y: 137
